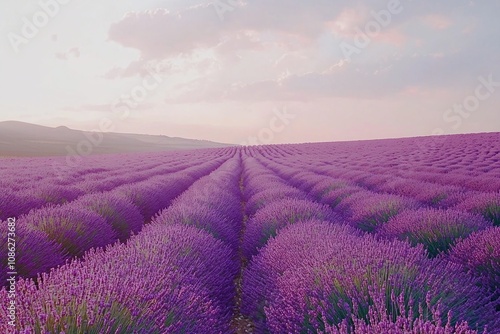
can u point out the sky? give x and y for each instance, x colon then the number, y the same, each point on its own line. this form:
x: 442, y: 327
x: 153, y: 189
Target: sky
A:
x: 253, y: 71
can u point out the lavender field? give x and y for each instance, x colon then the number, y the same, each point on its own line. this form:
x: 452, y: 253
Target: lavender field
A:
x: 384, y: 236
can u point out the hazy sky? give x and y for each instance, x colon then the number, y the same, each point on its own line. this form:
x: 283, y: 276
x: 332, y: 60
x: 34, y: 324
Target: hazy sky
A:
x: 222, y: 70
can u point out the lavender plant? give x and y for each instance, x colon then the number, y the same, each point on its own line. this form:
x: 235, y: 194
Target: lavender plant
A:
x: 76, y: 230
x: 168, y: 279
x: 268, y: 221
x: 485, y: 204
x: 352, y: 279
x: 437, y: 230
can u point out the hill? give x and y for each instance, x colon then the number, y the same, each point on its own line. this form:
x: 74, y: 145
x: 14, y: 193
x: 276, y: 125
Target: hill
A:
x: 24, y: 139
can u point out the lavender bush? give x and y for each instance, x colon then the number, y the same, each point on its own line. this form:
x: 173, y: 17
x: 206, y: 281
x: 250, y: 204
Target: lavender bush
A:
x: 369, y: 211
x: 276, y: 193
x: 485, y: 204
x: 118, y: 211
x: 295, y: 245
x: 13, y: 205
x: 479, y: 255
x: 35, y: 252
x: 169, y: 279
x: 437, y: 230
x: 76, y: 230
x: 354, y: 278
x: 268, y: 221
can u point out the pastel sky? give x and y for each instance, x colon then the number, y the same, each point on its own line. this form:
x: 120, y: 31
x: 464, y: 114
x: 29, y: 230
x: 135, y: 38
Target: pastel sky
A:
x: 222, y: 70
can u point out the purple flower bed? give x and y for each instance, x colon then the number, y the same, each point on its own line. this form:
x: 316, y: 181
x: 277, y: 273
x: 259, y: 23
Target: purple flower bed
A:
x: 148, y: 196
x: 35, y: 252
x: 295, y: 245
x: 369, y: 211
x: 13, y: 204
x: 76, y: 230
x: 212, y: 203
x: 485, y: 204
x: 479, y: 255
x: 119, y: 212
x: 427, y: 193
x: 54, y: 194
x: 352, y: 278
x: 335, y: 196
x: 402, y: 325
x: 437, y: 230
x: 328, y: 185
x: 211, y: 221
x: 276, y: 193
x: 268, y: 221
x: 170, y: 279
x: 33, y: 183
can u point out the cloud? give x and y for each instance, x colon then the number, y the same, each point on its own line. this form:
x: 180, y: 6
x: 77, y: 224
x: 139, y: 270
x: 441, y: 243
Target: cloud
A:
x: 200, y: 62
x: 258, y: 25
x: 71, y: 53
x: 438, y: 22
x: 289, y: 49
x: 103, y: 107
x: 397, y: 75
x: 159, y: 33
x: 137, y: 68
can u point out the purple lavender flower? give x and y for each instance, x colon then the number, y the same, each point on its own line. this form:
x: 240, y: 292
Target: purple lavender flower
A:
x: 479, y: 254
x: 276, y: 193
x: 118, y: 211
x: 437, y: 230
x: 268, y: 221
x: 211, y: 221
x: 485, y: 204
x: 328, y: 185
x: 35, y: 252
x: 54, y: 194
x: 351, y: 278
x: 369, y: 211
x: 76, y: 230
x: 15, y: 204
x: 335, y: 196
x: 294, y: 245
x: 168, y: 279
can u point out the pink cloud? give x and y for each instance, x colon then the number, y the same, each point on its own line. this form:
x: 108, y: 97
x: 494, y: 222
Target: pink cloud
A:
x: 347, y: 21
x: 418, y: 91
x: 71, y: 53
x: 391, y: 36
x: 438, y: 22
x: 159, y: 33
x: 410, y: 75
x: 240, y: 40
x: 103, y: 107
x: 142, y: 68
x: 133, y: 69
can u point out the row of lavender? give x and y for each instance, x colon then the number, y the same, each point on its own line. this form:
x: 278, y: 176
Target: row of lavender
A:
x: 371, y: 206
x: 315, y: 276
x: 425, y: 193
x: 386, y: 166
x: 466, y: 156
x: 48, y: 237
x: 175, y: 276
x: 272, y: 205
x: 25, y: 172
x: 319, y: 277
x: 311, y: 267
x: 32, y: 183
x: 416, y: 221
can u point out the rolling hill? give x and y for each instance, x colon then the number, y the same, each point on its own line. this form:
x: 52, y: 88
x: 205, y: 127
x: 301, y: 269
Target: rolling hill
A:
x: 24, y: 139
